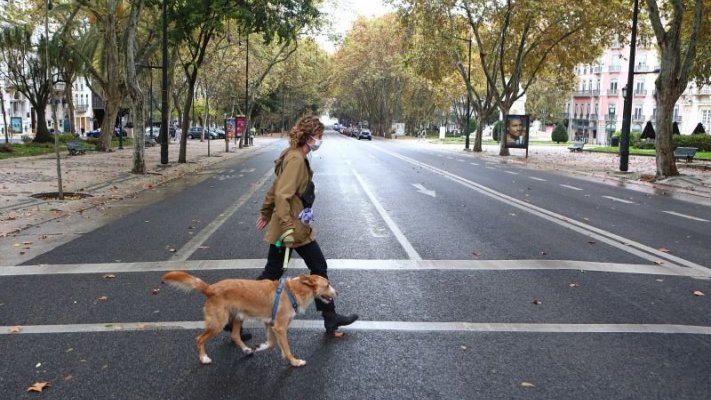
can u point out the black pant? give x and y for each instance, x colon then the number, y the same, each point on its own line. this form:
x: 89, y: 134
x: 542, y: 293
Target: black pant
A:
x: 314, y: 259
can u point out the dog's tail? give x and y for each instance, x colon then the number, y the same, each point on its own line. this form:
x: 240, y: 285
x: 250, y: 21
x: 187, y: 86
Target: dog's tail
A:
x: 183, y: 280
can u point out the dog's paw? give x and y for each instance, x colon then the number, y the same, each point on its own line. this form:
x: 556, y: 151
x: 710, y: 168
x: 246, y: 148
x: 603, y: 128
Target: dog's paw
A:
x: 298, y: 363
x: 264, y: 346
x: 205, y: 360
x: 247, y: 350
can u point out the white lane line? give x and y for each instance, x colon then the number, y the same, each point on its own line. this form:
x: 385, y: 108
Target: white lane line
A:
x: 622, y: 243
x: 196, y: 241
x: 538, y: 179
x: 490, y: 168
x: 473, y: 163
x: 571, y: 187
x: 511, y: 172
x: 619, y: 200
x: 406, y: 245
x: 399, y: 326
x: 685, y: 216
x: 352, y: 264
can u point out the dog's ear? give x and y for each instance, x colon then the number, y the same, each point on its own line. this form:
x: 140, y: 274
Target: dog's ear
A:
x: 308, y: 280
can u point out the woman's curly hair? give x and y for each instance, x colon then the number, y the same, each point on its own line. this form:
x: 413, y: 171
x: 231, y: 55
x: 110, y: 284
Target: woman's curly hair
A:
x: 305, y: 128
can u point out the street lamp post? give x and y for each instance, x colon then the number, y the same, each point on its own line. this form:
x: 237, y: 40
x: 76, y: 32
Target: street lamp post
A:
x: 627, y: 96
x: 246, y: 133
x: 150, y: 115
x: 164, y: 90
x: 469, y: 96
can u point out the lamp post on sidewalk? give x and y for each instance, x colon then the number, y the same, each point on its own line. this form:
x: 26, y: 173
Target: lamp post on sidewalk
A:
x: 150, y: 115
x: 164, y: 90
x: 50, y: 88
x: 627, y: 96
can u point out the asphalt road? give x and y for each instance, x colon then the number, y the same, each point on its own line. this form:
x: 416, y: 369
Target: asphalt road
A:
x: 472, y: 280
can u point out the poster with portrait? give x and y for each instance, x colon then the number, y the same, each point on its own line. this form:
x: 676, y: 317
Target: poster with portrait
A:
x: 16, y: 124
x: 516, y: 131
x: 230, y: 128
x: 241, y: 123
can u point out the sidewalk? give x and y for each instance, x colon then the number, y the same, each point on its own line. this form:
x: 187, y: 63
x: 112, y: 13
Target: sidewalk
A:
x: 105, y: 177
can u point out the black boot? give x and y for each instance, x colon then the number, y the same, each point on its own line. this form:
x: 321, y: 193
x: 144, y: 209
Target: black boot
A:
x: 245, y: 336
x: 332, y: 320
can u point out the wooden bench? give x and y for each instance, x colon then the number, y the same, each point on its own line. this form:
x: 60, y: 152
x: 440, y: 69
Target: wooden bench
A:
x: 75, y: 148
x: 686, y: 153
x: 577, y: 146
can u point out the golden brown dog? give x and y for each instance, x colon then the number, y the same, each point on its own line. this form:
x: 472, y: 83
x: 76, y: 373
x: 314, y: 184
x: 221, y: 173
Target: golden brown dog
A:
x: 242, y: 299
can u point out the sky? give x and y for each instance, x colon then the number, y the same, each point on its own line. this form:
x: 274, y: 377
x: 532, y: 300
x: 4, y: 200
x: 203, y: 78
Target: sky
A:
x: 342, y: 13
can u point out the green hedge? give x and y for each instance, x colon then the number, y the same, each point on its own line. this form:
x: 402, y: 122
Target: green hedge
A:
x: 702, y: 142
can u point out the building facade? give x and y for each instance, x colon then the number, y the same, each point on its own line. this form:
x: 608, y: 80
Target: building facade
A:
x: 595, y: 108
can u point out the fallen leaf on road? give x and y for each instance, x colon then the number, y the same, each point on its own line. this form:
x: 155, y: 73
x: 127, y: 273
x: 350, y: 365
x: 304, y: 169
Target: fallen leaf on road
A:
x: 573, y: 285
x: 15, y: 329
x: 38, y: 365
x: 463, y: 347
x: 155, y: 291
x: 591, y: 242
x: 665, y: 250
x: 527, y: 385
x: 658, y: 262
x: 103, y: 298
x: 698, y: 293
x: 68, y: 377
x: 476, y: 253
x: 172, y: 250
x: 543, y: 253
x: 660, y: 280
x: 26, y: 242
x: 38, y: 387
x: 536, y: 302
x: 109, y: 276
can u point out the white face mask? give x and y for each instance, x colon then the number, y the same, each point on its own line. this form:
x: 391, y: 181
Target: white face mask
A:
x: 315, y: 145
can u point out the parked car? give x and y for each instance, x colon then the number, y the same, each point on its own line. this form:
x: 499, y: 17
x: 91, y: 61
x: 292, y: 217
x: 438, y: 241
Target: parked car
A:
x: 219, y: 132
x: 196, y: 132
x: 365, y: 134
x: 97, y: 132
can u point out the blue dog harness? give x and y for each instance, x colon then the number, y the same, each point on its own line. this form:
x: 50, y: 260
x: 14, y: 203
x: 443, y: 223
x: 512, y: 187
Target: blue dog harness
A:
x: 281, y: 285
x: 278, y: 295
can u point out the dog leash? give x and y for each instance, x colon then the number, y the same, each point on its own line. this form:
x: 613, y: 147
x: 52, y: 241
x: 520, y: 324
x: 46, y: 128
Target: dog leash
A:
x: 279, y: 243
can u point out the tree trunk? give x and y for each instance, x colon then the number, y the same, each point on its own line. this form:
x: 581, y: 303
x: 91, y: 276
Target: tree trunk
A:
x: 112, y: 91
x: 503, y: 150
x: 185, y: 125
x: 68, y: 95
x: 4, y: 117
x: 666, y: 165
x: 42, y: 133
x: 135, y: 94
x: 478, y: 135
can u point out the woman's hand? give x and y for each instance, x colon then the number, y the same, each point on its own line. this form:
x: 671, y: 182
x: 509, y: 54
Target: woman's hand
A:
x: 261, y: 223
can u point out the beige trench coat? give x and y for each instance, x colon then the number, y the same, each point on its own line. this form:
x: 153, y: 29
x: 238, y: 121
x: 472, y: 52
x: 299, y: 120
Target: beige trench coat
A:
x: 282, y: 203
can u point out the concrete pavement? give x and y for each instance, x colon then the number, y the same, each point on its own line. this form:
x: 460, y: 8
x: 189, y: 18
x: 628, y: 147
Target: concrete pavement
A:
x: 106, y: 179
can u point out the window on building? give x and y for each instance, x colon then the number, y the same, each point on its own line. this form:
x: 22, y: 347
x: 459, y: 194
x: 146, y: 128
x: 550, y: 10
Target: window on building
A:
x: 706, y: 118
x: 637, y: 111
x: 611, y: 109
x: 613, y: 85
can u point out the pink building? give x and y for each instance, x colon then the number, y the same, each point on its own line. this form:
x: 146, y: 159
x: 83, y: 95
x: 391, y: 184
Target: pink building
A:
x: 595, y: 109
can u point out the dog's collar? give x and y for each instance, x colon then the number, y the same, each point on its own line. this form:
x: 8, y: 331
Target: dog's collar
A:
x: 280, y: 287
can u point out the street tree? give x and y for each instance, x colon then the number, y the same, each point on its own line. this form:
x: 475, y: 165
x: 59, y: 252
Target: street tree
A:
x: 198, y: 22
x: 517, y: 41
x: 26, y: 70
x: 547, y: 96
x: 440, y: 42
x: 677, y: 26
